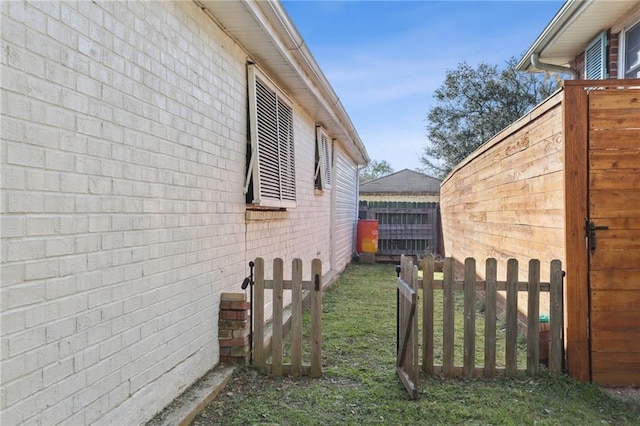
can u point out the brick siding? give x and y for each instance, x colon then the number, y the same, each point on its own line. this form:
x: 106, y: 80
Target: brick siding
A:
x: 123, y: 214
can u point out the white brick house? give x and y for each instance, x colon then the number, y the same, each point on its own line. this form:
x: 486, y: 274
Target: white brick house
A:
x: 131, y: 198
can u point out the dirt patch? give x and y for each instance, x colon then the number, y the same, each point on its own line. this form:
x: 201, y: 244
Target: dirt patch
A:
x: 626, y: 394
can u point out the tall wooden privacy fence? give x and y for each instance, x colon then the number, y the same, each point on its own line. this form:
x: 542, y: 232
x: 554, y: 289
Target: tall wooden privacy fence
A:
x: 470, y: 289
x: 269, y: 353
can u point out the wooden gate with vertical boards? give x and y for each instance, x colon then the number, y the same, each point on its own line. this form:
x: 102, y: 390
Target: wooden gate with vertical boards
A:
x: 269, y: 352
x: 602, y: 159
x: 407, y: 318
x: 409, y: 285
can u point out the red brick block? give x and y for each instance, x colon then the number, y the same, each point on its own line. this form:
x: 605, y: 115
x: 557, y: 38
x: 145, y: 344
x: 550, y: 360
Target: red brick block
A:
x: 235, y: 306
x: 228, y: 343
x: 234, y: 315
x: 232, y: 324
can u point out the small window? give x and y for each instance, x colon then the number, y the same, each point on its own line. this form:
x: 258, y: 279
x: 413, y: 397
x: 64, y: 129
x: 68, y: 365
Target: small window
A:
x: 271, y: 171
x: 631, y: 43
x: 595, y: 59
x: 323, y: 160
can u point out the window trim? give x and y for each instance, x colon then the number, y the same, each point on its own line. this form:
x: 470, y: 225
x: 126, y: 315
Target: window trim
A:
x: 322, y: 175
x: 622, y: 49
x: 269, y: 188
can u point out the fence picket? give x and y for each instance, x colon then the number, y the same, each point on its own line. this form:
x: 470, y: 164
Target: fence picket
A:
x: 296, y: 318
x: 469, y: 350
x: 511, y: 355
x: 533, y: 317
x: 490, y: 304
x: 448, y: 325
x: 277, y: 338
x: 427, y: 315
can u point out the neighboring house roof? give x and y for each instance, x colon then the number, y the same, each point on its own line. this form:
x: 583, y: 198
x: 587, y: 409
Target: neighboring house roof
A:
x: 576, y: 24
x: 403, y: 182
x: 265, y: 30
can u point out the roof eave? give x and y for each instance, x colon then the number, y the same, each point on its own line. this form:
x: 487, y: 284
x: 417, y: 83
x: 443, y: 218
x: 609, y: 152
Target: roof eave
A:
x: 288, y: 58
x: 553, y: 30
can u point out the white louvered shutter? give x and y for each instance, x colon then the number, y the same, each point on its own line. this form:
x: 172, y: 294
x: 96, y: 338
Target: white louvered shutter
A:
x: 323, y: 166
x: 271, y: 131
x: 595, y: 59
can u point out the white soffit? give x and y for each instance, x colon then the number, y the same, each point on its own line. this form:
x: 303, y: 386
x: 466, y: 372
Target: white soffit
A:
x: 572, y: 28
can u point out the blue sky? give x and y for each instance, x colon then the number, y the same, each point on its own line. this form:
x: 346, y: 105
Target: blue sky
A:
x: 384, y: 59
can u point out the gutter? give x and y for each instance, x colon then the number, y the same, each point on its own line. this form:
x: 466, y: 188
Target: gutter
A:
x: 569, y: 12
x: 535, y: 61
x: 308, y: 62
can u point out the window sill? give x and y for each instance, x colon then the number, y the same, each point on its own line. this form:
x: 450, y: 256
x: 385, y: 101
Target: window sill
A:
x: 266, y: 215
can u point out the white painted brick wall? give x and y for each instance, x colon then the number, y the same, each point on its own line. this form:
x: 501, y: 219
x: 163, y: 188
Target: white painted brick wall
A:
x: 123, y: 218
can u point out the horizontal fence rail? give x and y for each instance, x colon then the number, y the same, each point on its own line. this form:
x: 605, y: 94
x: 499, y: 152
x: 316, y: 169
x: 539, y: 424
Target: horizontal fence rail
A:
x: 471, y: 289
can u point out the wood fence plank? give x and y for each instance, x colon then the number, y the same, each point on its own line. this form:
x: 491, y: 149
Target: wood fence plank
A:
x: 511, y: 355
x: 556, y: 317
x: 533, y: 317
x: 407, y: 308
x: 448, y: 319
x: 258, y: 314
x: 427, y: 315
x: 277, y: 336
x: 296, y: 318
x: 316, y: 319
x: 469, y: 351
x: 413, y: 317
x: 490, y: 318
x: 407, y: 358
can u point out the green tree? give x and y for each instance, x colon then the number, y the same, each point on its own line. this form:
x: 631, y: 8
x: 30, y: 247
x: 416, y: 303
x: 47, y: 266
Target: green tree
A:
x: 474, y: 104
x: 374, y: 170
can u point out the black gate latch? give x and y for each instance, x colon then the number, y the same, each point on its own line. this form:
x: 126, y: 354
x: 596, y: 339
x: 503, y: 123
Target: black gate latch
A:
x: 591, y: 229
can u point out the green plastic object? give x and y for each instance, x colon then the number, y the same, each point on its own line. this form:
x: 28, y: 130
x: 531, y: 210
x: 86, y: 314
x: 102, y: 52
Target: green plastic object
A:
x: 544, y: 318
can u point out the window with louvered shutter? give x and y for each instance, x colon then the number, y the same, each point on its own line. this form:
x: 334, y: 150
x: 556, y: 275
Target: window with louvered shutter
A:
x: 595, y: 59
x: 632, y: 52
x: 271, y: 173
x: 323, y: 159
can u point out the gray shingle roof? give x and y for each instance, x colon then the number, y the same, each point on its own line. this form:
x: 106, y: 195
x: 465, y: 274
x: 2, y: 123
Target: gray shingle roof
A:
x: 405, y: 181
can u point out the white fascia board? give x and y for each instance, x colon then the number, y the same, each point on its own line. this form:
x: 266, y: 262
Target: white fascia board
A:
x: 289, y: 62
x: 551, y: 32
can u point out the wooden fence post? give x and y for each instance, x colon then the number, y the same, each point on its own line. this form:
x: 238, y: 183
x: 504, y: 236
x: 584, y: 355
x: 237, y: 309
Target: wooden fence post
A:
x: 258, y: 314
x: 316, y: 315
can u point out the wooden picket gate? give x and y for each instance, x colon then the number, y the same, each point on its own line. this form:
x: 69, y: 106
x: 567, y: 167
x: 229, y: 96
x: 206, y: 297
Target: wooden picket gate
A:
x: 272, y: 348
x: 407, y: 360
x: 409, y: 284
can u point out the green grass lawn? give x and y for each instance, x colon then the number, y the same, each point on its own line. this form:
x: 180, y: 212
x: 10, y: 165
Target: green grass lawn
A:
x: 360, y: 387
